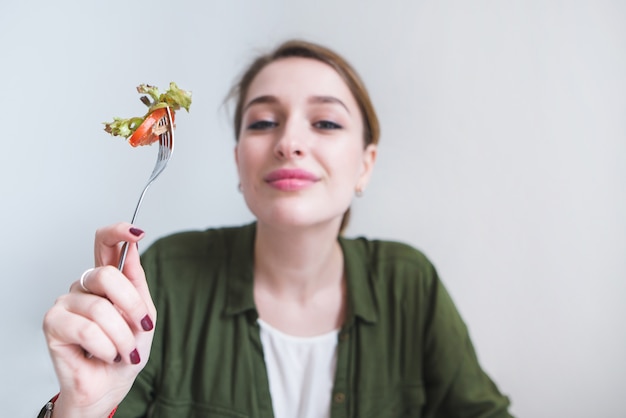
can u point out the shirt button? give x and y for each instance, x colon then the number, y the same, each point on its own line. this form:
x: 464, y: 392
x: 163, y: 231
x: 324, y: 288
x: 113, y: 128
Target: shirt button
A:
x: 339, y: 397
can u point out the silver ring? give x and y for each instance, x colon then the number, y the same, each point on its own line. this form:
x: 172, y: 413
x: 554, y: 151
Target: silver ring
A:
x: 82, y: 279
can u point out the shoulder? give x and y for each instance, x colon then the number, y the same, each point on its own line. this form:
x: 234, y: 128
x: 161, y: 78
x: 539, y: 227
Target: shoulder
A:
x: 186, y: 259
x: 385, y: 253
x: 391, y: 265
x: 216, y: 242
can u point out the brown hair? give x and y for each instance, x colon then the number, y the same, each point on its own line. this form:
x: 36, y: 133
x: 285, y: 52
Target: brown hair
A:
x: 304, y: 49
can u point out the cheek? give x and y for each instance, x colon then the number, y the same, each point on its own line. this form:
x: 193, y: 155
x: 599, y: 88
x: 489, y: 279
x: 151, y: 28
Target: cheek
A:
x: 247, y: 156
x: 350, y: 162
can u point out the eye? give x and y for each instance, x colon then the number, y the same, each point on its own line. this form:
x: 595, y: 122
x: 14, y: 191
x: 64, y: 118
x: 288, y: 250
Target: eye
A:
x: 262, y: 125
x: 326, y: 124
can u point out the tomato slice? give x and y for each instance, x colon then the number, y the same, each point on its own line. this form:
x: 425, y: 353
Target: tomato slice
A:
x: 144, y: 135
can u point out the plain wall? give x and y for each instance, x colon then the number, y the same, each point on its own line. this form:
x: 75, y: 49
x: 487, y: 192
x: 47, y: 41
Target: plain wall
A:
x: 502, y: 157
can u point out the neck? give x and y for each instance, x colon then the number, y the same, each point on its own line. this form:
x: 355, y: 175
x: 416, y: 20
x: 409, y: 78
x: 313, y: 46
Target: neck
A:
x: 297, y: 262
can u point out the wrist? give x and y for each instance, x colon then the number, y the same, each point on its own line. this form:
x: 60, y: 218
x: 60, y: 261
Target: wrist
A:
x: 55, y: 408
x: 47, y: 410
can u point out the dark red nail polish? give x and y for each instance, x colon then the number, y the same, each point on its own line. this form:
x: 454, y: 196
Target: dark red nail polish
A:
x: 135, y: 231
x: 146, y: 323
x: 118, y: 358
x: 134, y: 357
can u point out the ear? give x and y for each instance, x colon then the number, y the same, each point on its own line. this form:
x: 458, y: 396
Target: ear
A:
x: 237, y: 155
x: 369, y: 159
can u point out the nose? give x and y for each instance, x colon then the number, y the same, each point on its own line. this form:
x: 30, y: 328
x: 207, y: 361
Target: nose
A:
x: 291, y: 143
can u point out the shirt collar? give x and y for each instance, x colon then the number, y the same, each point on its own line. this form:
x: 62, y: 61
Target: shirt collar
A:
x: 240, y: 295
x: 360, y: 283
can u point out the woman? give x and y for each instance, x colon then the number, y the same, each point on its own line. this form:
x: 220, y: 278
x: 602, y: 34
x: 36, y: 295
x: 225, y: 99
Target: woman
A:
x: 283, y: 317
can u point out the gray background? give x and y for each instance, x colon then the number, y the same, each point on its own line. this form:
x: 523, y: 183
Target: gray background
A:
x: 502, y: 157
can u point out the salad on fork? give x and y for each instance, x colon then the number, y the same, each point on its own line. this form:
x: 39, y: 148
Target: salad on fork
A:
x: 145, y: 130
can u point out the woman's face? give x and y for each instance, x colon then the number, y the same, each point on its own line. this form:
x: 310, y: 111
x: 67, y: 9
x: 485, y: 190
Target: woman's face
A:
x: 300, y: 153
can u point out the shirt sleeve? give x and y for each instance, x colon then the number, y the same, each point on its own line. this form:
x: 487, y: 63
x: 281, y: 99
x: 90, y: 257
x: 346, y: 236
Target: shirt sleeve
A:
x: 456, y: 385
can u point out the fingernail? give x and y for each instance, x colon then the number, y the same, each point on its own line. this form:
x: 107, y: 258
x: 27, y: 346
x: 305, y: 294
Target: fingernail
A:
x: 135, y: 231
x: 118, y: 358
x: 146, y: 323
x: 134, y: 357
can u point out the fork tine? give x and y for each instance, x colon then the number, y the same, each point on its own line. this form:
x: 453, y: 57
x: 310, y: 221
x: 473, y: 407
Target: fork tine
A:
x: 168, y: 142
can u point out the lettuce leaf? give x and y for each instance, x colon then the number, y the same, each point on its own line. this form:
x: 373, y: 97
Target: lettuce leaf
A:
x: 175, y: 97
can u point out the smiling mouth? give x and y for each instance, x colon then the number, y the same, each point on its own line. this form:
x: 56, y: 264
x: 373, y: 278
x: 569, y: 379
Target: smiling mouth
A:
x: 290, y: 179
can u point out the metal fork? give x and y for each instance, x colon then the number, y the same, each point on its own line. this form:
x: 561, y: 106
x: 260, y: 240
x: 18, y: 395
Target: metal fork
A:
x: 166, y: 149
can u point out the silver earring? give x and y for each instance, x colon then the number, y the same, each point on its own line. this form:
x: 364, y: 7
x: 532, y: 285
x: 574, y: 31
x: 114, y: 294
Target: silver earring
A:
x: 358, y: 192
x: 240, y: 188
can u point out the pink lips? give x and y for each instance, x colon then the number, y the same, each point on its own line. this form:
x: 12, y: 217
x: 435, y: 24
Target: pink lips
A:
x: 290, y: 179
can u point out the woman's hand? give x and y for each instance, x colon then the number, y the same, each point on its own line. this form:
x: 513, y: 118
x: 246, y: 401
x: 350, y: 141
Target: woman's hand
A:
x: 100, y: 339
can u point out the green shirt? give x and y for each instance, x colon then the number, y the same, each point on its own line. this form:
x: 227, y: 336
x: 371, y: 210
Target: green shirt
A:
x: 403, y: 351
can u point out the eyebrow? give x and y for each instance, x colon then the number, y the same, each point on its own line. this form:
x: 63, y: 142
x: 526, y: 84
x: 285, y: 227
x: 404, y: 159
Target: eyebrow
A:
x: 328, y: 99
x: 314, y: 100
x: 261, y: 99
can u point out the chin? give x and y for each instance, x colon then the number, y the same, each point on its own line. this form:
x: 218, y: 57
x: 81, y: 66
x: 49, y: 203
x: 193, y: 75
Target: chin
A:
x: 296, y: 213
x: 298, y: 220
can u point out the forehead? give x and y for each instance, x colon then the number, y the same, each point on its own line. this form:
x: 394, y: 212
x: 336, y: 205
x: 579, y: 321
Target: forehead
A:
x: 299, y: 78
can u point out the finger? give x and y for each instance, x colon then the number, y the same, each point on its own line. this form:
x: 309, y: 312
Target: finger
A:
x: 108, y: 318
x: 108, y: 250
x: 107, y: 246
x: 65, y: 330
x: 108, y: 282
x: 108, y: 241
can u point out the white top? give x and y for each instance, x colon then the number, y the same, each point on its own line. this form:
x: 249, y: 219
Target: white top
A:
x: 301, y: 372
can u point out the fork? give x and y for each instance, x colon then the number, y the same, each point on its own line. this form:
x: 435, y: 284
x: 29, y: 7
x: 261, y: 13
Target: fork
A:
x: 165, y: 127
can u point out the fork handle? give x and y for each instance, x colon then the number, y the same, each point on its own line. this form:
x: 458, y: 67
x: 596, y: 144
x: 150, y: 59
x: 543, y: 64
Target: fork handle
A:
x: 124, y: 252
x: 120, y: 265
